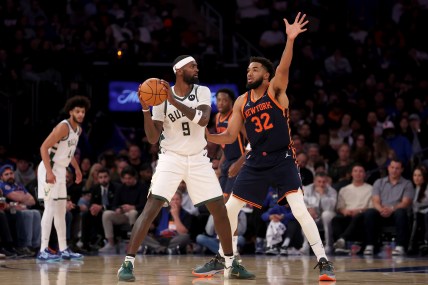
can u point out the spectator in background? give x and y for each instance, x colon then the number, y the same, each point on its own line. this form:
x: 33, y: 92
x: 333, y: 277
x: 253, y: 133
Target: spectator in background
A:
x: 392, y: 196
x: 24, y: 172
x: 320, y: 199
x: 418, y: 137
x: 353, y: 200
x: 27, y: 220
x: 420, y: 210
x: 102, y: 196
x: 272, y: 40
x: 170, y: 229
x: 341, y: 167
x: 337, y: 65
x: 305, y: 174
x: 134, y: 157
x: 399, y: 144
x: 129, y: 199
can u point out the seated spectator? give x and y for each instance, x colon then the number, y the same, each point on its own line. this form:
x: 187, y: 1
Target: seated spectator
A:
x: 28, y: 227
x: 129, y: 199
x: 24, y: 172
x: 102, y: 196
x: 420, y: 210
x: 305, y: 174
x: 320, y: 199
x: 170, y: 229
x: 210, y: 241
x: 341, y: 166
x: 392, y: 196
x: 6, y: 241
x: 353, y: 200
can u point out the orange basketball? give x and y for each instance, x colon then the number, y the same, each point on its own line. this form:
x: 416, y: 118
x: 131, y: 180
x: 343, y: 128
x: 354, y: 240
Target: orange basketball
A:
x: 151, y: 92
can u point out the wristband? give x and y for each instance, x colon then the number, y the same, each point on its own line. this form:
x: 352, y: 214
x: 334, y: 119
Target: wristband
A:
x: 197, y: 117
x: 145, y: 110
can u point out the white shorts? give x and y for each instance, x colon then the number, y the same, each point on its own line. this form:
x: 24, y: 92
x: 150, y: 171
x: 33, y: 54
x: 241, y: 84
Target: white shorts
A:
x: 196, y: 170
x: 46, y: 191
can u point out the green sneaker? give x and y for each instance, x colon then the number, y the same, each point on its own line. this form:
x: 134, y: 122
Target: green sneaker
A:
x: 126, y: 272
x: 212, y: 267
x: 326, y: 270
x: 237, y: 271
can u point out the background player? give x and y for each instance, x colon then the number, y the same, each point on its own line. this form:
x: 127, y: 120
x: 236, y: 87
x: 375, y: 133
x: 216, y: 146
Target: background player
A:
x: 57, y: 153
x: 180, y: 124
x: 271, y: 162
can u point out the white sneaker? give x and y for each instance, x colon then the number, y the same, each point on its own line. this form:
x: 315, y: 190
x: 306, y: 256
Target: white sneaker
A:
x: 305, y: 250
x: 398, y: 251
x: 340, y: 243
x: 108, y: 248
x: 369, y: 250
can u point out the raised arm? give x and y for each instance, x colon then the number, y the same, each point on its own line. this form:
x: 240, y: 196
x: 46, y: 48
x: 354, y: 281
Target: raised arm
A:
x: 280, y: 81
x: 233, y: 128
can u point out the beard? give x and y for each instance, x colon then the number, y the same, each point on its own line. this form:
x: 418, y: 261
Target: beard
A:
x: 74, y: 118
x: 255, y: 84
x: 10, y: 181
x: 190, y: 79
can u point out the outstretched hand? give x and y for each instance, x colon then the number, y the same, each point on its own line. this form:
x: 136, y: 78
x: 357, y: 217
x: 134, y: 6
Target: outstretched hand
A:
x: 293, y: 30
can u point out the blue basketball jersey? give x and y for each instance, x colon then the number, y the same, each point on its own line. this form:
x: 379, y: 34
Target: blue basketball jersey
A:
x: 267, y: 125
x: 231, y: 151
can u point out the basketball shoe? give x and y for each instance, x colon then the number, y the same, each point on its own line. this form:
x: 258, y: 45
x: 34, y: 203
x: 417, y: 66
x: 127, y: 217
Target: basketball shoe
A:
x: 212, y: 267
x: 48, y: 255
x: 237, y: 271
x: 126, y: 272
x: 326, y: 270
x: 67, y: 254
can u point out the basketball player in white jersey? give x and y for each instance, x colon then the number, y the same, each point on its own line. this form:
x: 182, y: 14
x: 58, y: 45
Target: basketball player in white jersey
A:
x: 180, y: 123
x: 57, y: 152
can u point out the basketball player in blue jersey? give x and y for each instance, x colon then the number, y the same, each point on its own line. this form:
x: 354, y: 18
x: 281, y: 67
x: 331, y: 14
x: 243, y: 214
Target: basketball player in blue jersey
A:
x: 233, y: 155
x: 57, y: 152
x: 264, y: 112
x: 179, y: 124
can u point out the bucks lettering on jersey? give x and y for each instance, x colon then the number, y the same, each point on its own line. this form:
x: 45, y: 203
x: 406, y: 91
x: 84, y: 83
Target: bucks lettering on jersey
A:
x: 180, y: 134
x: 63, y: 151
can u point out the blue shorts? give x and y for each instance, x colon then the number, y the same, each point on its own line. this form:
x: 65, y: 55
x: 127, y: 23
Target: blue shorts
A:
x: 252, y: 183
x: 226, y: 182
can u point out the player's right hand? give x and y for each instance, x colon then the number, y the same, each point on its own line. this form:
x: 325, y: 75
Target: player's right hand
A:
x: 50, y: 177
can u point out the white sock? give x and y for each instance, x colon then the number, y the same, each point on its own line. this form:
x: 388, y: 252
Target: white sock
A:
x: 228, y: 261
x: 220, y: 249
x: 286, y: 242
x: 131, y: 259
x: 235, y: 245
x: 300, y: 212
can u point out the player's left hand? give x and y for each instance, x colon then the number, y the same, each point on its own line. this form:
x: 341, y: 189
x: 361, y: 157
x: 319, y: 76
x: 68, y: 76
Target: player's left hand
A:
x: 293, y: 30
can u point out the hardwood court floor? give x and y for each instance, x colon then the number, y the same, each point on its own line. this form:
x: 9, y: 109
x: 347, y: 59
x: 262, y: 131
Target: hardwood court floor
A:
x: 176, y: 270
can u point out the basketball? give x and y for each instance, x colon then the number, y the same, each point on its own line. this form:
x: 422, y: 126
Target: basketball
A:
x: 151, y: 92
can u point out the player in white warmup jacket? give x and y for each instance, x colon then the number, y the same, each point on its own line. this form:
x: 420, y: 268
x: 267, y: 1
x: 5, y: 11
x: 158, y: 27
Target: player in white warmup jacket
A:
x: 57, y: 152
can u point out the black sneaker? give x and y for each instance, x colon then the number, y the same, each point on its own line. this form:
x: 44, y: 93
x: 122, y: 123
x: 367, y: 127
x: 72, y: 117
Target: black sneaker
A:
x: 326, y: 270
x: 212, y: 267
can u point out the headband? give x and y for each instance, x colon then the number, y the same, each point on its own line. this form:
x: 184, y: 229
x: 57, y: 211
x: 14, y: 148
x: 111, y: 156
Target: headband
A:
x: 182, y: 63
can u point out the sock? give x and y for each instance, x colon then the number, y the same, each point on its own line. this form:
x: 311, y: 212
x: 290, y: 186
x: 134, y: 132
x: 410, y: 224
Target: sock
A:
x: 286, y: 242
x: 130, y: 258
x: 228, y: 260
x: 319, y: 251
x: 235, y: 245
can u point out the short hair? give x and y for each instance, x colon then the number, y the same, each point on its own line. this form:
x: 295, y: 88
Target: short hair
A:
x: 77, y: 101
x: 320, y: 174
x: 266, y: 63
x: 358, y: 164
x: 228, y: 91
x: 104, y: 170
x: 178, y: 58
x: 130, y: 170
x: 397, y: 161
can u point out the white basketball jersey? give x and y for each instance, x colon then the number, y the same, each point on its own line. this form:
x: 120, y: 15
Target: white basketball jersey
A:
x: 63, y: 151
x: 180, y: 134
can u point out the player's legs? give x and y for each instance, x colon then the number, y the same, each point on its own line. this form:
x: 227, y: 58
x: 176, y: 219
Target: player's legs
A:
x: 46, y: 223
x: 59, y: 222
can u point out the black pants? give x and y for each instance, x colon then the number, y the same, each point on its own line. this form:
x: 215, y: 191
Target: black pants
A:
x: 5, y: 234
x: 373, y: 223
x: 348, y: 228
x: 91, y: 227
x: 294, y: 233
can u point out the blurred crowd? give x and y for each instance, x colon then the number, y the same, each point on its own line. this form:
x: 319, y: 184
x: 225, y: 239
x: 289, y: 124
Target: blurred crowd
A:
x: 359, y: 118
